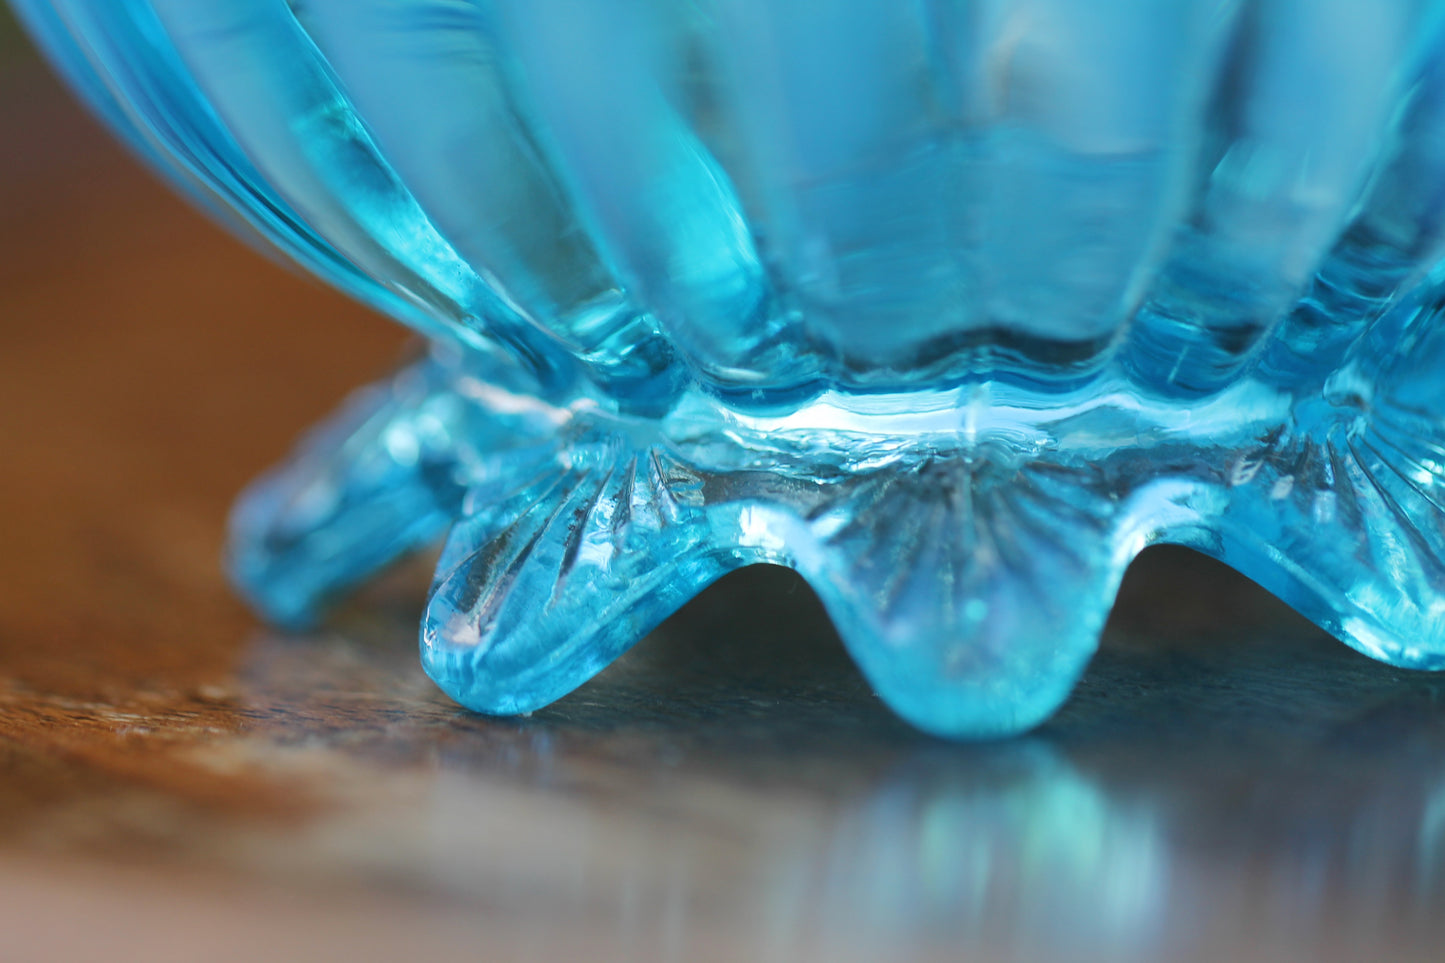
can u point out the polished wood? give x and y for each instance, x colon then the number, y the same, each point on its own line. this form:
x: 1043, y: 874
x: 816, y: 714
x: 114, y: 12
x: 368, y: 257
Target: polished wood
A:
x: 179, y: 782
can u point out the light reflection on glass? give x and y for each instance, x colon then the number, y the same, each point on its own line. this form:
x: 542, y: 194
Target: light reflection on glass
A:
x: 1026, y: 851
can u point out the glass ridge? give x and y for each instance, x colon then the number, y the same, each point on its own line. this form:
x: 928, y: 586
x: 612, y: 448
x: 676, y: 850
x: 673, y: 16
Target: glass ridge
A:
x: 953, y: 307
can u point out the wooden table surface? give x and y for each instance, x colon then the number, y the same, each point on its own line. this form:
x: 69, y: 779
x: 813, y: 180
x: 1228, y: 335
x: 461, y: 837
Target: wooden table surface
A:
x: 178, y: 782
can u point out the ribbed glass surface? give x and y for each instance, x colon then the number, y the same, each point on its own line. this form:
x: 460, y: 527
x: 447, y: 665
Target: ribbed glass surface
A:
x: 952, y: 306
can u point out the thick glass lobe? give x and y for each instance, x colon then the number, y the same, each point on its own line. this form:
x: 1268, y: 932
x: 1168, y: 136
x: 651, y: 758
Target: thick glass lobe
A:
x: 952, y: 307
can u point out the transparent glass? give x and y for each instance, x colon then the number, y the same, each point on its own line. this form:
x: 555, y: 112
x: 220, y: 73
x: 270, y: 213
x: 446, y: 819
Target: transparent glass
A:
x: 952, y: 307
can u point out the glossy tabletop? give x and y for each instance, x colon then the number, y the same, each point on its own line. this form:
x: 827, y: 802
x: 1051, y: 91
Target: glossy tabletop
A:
x: 179, y: 782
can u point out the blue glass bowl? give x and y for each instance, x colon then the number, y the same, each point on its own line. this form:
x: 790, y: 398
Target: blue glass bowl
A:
x: 952, y: 307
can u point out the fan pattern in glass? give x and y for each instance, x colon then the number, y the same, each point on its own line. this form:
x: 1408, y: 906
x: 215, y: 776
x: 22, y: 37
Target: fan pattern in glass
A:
x: 951, y: 306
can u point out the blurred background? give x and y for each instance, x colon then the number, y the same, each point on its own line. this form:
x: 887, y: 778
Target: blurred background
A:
x: 179, y: 782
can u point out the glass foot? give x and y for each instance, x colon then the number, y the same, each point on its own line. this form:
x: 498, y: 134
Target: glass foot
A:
x: 970, y: 580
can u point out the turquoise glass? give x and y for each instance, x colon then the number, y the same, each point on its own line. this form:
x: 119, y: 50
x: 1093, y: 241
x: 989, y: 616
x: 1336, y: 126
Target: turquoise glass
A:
x: 953, y: 307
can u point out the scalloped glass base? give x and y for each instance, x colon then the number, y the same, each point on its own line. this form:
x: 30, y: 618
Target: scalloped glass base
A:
x: 968, y: 552
x: 952, y: 311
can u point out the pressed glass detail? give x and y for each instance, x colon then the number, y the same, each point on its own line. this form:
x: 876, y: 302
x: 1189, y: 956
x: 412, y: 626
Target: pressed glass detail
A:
x: 951, y: 307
